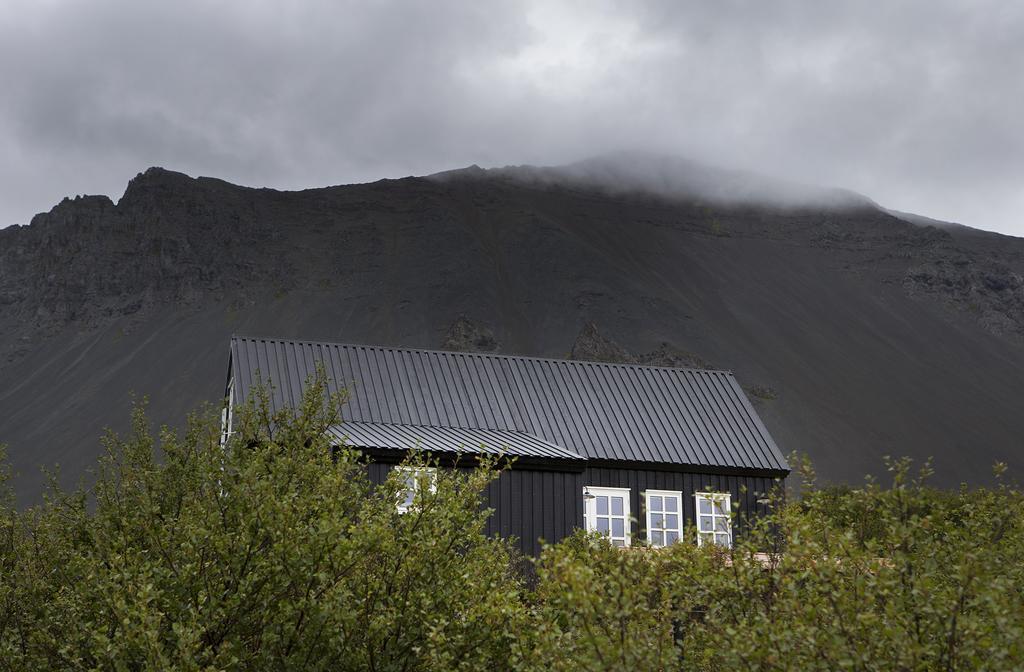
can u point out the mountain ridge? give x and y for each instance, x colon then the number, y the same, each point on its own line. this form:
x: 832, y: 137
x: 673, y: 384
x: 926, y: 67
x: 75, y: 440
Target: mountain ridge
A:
x: 873, y: 334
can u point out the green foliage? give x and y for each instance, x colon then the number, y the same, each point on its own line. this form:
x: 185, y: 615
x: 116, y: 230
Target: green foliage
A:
x: 273, y: 552
x: 934, y: 582
x: 270, y: 553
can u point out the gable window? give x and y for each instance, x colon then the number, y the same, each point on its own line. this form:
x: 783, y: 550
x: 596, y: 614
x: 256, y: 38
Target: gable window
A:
x: 606, y: 511
x: 415, y: 480
x: 664, y: 517
x: 714, y: 524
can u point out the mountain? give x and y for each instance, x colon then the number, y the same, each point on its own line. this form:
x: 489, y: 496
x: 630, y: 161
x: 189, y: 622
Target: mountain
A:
x: 859, y: 333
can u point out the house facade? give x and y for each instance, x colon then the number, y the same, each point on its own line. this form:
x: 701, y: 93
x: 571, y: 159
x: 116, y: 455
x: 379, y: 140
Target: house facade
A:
x: 639, y: 453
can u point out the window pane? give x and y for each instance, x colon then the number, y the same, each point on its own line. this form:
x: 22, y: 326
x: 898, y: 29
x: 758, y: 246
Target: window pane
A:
x: 671, y: 522
x: 705, y: 505
x: 722, y: 539
x: 671, y: 504
x: 671, y: 538
x: 721, y: 506
x: 618, y: 527
x: 656, y: 503
x: 707, y: 538
x: 602, y: 524
x: 602, y: 505
x: 616, y: 506
x: 618, y: 542
x: 407, y: 500
x: 721, y: 524
x: 657, y: 538
x: 705, y: 524
x: 657, y: 523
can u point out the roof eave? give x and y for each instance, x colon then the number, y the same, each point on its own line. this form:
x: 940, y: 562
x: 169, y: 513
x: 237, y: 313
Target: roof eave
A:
x: 718, y: 470
x: 467, y: 459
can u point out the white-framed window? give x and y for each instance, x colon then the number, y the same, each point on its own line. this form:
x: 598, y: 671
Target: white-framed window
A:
x: 606, y: 510
x: 714, y: 522
x: 415, y: 480
x: 664, y: 510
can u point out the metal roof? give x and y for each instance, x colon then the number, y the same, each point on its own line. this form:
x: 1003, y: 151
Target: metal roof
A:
x: 601, y: 411
x: 448, y: 439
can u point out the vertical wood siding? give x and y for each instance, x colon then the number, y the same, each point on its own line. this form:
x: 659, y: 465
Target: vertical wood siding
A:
x: 530, y: 505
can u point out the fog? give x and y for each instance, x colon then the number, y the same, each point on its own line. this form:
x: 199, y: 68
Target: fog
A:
x: 675, y: 177
x: 916, y: 105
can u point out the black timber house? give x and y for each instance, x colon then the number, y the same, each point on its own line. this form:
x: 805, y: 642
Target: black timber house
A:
x: 640, y: 453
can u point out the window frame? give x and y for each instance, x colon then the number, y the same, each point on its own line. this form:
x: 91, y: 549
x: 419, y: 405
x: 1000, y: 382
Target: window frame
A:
x: 712, y: 536
x: 417, y: 473
x: 590, y: 514
x: 678, y: 530
x: 227, y: 415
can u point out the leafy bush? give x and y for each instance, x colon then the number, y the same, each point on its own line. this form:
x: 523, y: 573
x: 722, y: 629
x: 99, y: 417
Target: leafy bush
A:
x: 272, y: 552
x: 934, y: 582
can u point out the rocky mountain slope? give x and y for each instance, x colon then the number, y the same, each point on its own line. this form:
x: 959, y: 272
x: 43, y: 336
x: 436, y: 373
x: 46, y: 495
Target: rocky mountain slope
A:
x: 861, y: 333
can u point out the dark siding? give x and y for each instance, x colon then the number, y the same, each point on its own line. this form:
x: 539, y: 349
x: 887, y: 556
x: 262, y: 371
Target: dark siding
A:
x: 533, y: 504
x: 528, y: 504
x: 379, y: 472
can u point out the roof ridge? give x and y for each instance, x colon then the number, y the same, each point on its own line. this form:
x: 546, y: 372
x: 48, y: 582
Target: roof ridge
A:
x: 577, y: 362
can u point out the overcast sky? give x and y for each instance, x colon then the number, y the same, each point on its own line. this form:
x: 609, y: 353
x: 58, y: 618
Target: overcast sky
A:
x: 918, y: 105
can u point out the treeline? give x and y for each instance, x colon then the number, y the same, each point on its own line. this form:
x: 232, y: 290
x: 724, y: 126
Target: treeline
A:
x: 275, y: 553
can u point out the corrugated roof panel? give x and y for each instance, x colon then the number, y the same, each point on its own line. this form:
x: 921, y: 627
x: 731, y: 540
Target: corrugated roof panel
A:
x: 448, y: 439
x: 720, y: 440
x: 570, y: 422
x: 436, y: 413
x: 692, y: 415
x: 640, y: 407
x: 754, y: 426
x: 612, y: 396
x: 740, y: 422
x: 534, y: 418
x: 600, y: 411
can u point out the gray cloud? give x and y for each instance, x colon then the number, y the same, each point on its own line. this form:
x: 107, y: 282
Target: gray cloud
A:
x: 915, y: 104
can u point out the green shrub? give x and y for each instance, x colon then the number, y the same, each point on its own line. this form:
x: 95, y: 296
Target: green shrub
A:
x: 903, y: 578
x: 273, y: 552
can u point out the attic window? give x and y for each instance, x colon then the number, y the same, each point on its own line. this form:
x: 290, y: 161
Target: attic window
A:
x: 714, y: 523
x: 416, y: 480
x: 606, y: 511
x: 664, y: 517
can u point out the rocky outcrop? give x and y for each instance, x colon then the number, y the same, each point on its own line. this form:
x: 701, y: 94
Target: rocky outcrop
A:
x: 466, y: 336
x: 985, y: 290
x: 667, y: 354
x: 590, y: 345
